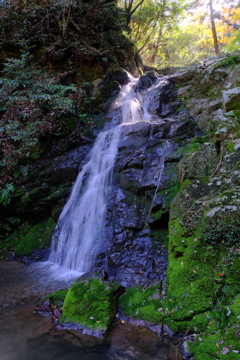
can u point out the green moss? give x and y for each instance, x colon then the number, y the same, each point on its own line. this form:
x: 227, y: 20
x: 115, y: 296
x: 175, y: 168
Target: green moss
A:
x: 157, y: 215
x: 57, y: 296
x: 142, y: 303
x: 196, y: 324
x: 160, y: 236
x: 211, y: 347
x: 235, y: 307
x: 56, y: 193
x: 188, y: 274
x: 189, y: 146
x: 203, y: 273
x: 232, y: 271
x: 91, y: 304
x: 204, y: 266
x: 185, y: 184
x: 169, y: 194
x: 146, y: 304
x: 25, y: 199
x: 38, y: 237
x: 230, y: 147
x: 231, y: 60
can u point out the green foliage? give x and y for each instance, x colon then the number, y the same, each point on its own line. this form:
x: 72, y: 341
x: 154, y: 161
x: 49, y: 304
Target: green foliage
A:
x: 190, y: 146
x: 236, y: 114
x: 227, y: 234
x: 234, y: 44
x: 22, y: 82
x: 32, y: 106
x: 6, y: 193
x: 150, y: 24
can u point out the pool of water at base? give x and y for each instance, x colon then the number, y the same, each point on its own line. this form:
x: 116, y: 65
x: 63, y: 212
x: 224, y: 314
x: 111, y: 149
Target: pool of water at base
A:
x: 28, y: 335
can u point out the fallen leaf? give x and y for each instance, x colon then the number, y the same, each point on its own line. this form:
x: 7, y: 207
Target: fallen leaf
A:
x: 225, y: 350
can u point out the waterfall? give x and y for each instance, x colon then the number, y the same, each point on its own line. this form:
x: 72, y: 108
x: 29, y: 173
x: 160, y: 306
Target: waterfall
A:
x: 77, y: 239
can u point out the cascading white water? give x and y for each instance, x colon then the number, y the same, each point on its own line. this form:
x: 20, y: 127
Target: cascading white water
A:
x: 80, y: 229
x: 82, y: 219
x: 78, y: 234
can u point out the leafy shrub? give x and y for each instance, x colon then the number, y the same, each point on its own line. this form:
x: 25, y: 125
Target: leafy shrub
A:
x: 32, y: 104
x: 5, y: 193
x: 227, y: 234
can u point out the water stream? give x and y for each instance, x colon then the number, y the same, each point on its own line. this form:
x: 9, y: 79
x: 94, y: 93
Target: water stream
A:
x: 77, y: 238
x: 28, y: 335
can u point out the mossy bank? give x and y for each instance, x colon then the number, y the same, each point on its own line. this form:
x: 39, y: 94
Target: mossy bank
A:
x: 201, y: 295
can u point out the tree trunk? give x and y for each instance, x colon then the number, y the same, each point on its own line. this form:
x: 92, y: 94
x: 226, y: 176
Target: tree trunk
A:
x: 215, y: 40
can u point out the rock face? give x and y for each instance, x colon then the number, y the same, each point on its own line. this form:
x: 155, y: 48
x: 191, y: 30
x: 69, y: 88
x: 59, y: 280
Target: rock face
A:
x: 134, y: 247
x: 145, y: 181
x: 202, y: 276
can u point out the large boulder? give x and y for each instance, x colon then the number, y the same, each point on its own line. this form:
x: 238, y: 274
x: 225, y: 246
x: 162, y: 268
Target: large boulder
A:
x: 90, y: 306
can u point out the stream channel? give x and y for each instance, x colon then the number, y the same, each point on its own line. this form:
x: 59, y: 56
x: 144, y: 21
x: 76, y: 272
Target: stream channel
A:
x: 28, y: 335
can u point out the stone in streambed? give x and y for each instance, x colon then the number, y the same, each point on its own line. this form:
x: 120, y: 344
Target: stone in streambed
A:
x: 90, y: 306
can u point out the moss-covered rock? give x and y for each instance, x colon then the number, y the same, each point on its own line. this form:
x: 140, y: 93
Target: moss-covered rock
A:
x: 28, y: 237
x: 202, y: 292
x: 91, y: 306
x: 57, y: 298
x: 142, y: 303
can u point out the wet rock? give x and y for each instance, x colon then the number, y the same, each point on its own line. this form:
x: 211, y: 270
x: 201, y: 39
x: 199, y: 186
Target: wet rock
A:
x: 35, y: 255
x: 119, y: 75
x: 167, y: 330
x: 44, y: 307
x: 145, y: 81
